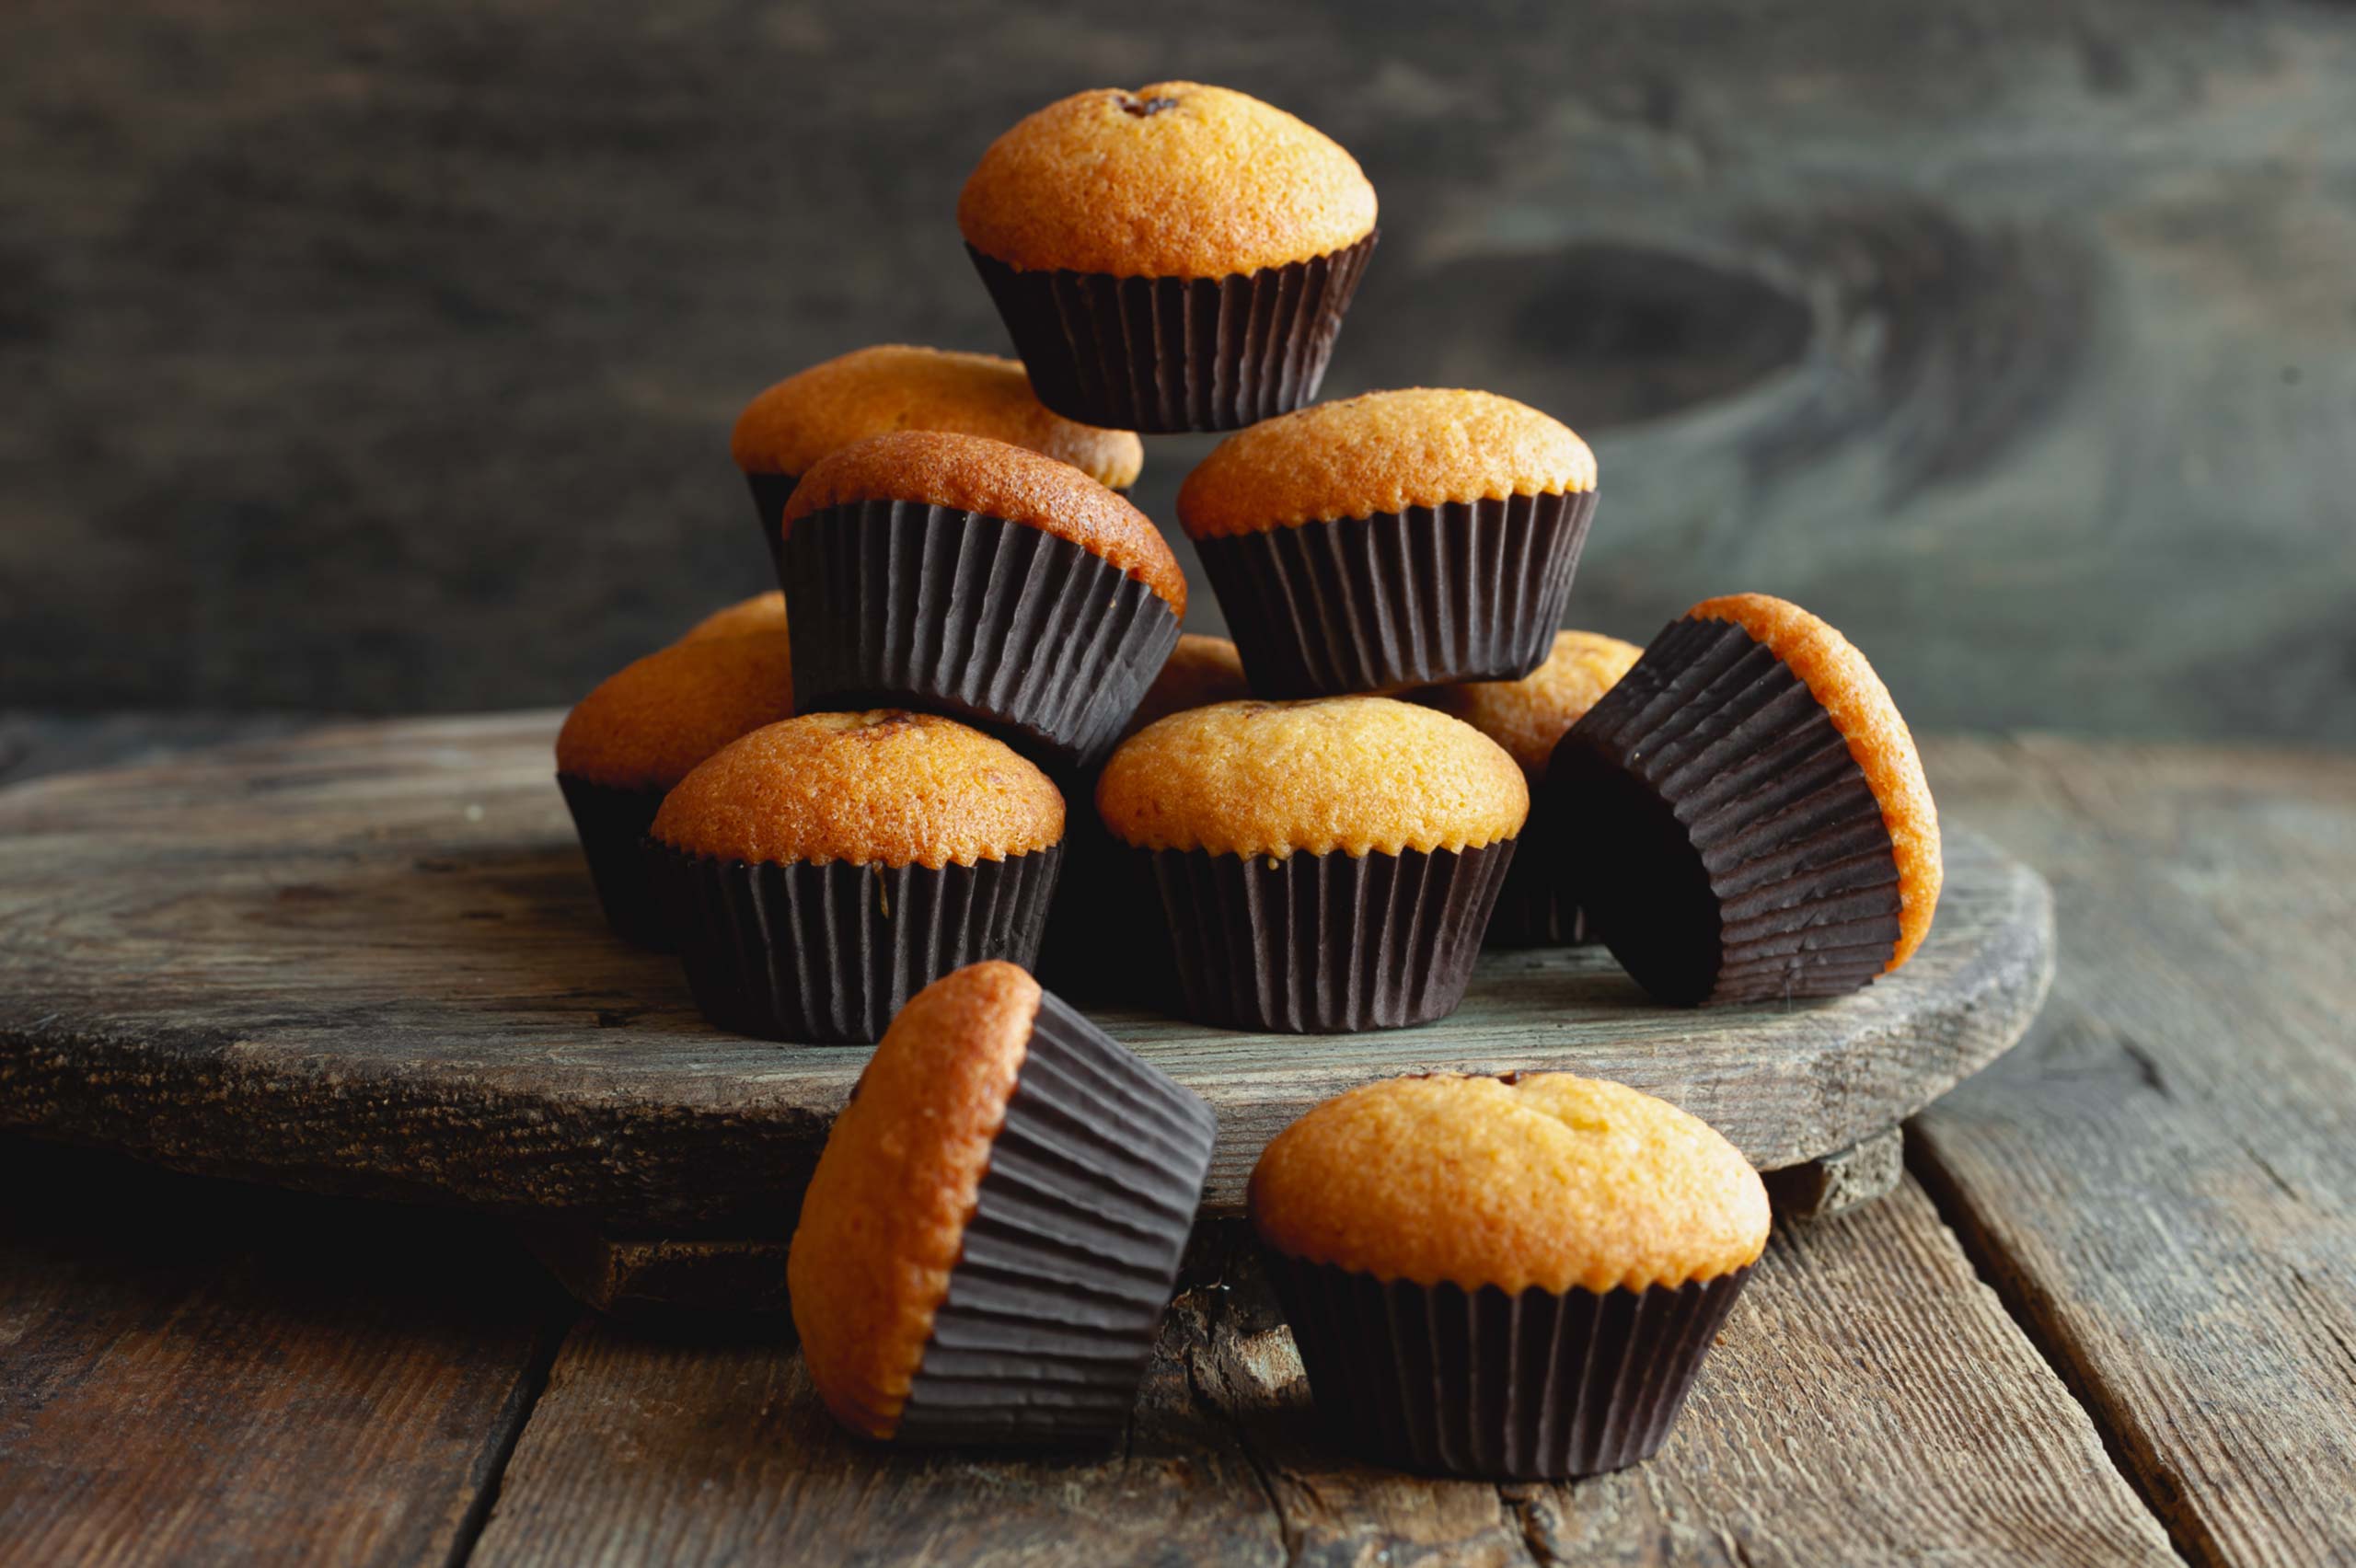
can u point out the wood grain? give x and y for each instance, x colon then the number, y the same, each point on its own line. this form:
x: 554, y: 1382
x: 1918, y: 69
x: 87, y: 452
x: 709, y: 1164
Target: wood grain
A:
x: 368, y: 959
x: 193, y: 1372
x: 2161, y: 1184
x: 1870, y: 1402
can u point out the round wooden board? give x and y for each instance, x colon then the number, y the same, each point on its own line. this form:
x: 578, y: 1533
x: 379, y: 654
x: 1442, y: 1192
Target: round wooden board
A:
x: 368, y: 960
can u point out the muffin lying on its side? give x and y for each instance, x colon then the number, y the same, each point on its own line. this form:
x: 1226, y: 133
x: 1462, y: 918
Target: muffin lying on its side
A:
x: 819, y: 872
x: 1528, y: 717
x: 1754, y: 821
x: 1324, y: 866
x: 629, y: 742
x: 1515, y: 1279
x: 1392, y: 540
x: 995, y: 1226
x: 783, y: 432
x: 971, y: 578
x: 1176, y: 258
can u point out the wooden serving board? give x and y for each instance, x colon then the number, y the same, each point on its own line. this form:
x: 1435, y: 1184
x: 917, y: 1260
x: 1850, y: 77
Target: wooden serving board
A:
x: 368, y: 960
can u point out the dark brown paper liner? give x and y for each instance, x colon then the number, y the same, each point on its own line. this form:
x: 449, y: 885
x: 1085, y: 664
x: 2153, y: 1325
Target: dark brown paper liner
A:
x: 1016, y: 630
x: 612, y: 823
x: 1159, y: 355
x: 1532, y: 909
x: 770, y: 493
x: 1073, y: 1250
x: 828, y: 953
x: 1327, y: 944
x: 1469, y: 591
x: 1729, y: 848
x: 1528, y: 1387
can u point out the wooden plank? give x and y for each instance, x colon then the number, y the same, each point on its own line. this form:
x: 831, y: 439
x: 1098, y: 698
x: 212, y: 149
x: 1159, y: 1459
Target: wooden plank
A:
x: 2161, y: 1184
x: 368, y: 958
x: 196, y: 1372
x: 1869, y: 1402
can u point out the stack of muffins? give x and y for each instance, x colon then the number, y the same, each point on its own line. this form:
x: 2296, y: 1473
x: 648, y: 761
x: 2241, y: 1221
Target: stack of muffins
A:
x: 967, y: 727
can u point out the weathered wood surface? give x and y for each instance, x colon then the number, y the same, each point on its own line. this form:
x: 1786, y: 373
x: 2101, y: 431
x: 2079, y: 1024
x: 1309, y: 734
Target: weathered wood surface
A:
x: 195, y: 1372
x: 385, y: 356
x: 368, y: 959
x: 1868, y: 1402
x: 2161, y: 1182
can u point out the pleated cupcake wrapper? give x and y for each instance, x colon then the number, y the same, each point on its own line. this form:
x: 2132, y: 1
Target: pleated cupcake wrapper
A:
x: 1532, y: 909
x: 1469, y: 591
x: 770, y: 493
x: 612, y: 823
x: 1714, y: 792
x: 1018, y: 632
x: 1159, y: 355
x: 1322, y: 944
x: 1073, y: 1250
x: 1530, y: 1386
x: 828, y: 953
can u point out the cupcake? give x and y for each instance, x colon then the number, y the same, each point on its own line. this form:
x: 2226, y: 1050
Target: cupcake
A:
x: 1754, y: 822
x: 1103, y: 937
x: 1511, y: 1279
x: 971, y: 578
x: 1322, y: 866
x: 762, y: 612
x: 783, y: 432
x: 1396, y: 539
x: 1526, y: 717
x: 1176, y: 258
x: 819, y: 872
x: 639, y: 733
x: 994, y: 1229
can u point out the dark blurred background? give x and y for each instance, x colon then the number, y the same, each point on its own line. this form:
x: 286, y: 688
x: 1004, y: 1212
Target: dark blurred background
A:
x: 383, y: 357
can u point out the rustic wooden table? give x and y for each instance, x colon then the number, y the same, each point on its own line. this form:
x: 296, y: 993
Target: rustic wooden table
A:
x: 2109, y: 1315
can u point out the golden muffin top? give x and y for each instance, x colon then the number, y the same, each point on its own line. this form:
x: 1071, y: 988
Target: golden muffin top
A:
x: 973, y: 473
x: 1858, y: 703
x: 900, y: 386
x: 1527, y: 715
x: 762, y: 612
x: 884, y: 1220
x: 1357, y: 774
x: 648, y: 724
x: 1380, y: 452
x: 883, y: 787
x: 1199, y: 672
x: 1173, y: 181
x: 1543, y: 1180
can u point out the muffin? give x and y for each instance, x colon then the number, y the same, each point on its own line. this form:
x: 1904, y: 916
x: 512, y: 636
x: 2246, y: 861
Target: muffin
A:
x: 1515, y: 1279
x: 1526, y: 717
x: 968, y: 577
x: 640, y: 732
x: 994, y: 1229
x: 1754, y: 821
x: 1105, y: 938
x: 1396, y: 539
x: 1324, y: 866
x: 783, y: 432
x: 762, y: 612
x: 819, y: 872
x: 1176, y: 258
